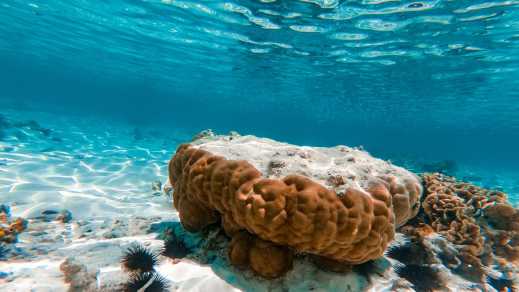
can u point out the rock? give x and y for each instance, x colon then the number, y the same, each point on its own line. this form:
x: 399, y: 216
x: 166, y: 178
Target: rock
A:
x: 156, y: 186
x: 168, y: 190
x: 448, y: 167
x: 77, y: 275
x: 63, y: 216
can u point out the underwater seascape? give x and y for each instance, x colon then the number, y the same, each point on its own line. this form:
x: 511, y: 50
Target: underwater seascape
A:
x: 100, y: 192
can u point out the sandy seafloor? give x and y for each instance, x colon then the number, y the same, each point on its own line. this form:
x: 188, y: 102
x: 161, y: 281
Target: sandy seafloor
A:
x: 103, y: 173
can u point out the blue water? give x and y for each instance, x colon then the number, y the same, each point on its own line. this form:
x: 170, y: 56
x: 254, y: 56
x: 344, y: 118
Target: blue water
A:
x: 414, y: 82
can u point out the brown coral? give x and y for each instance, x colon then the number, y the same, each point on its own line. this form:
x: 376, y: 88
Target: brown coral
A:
x: 502, y: 216
x: 405, y: 197
x: 293, y: 212
x: 265, y: 258
x: 482, y: 225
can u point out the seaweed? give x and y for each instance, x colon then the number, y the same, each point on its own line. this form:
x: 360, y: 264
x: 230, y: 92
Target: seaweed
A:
x: 138, y: 258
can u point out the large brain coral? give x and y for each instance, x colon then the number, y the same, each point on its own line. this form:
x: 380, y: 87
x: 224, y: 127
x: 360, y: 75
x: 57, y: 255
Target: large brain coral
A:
x: 292, y: 212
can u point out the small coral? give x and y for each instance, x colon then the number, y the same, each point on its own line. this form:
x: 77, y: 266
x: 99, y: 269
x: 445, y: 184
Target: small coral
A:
x: 147, y: 282
x: 471, y: 268
x: 139, y: 259
x: 9, y: 229
x: 502, y: 216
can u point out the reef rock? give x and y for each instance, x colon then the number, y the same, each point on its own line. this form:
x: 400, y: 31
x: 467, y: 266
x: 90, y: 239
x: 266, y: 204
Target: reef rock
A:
x: 337, y: 203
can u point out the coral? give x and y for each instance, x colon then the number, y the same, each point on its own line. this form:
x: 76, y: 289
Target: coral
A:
x: 9, y: 229
x: 405, y: 198
x: 293, y: 211
x: 147, y: 282
x: 502, y: 216
x: 480, y: 223
x: 450, y: 214
x: 139, y: 259
x: 264, y: 258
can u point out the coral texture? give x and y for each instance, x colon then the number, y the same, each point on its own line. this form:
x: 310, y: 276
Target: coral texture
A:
x: 292, y: 212
x: 480, y: 223
x: 265, y: 258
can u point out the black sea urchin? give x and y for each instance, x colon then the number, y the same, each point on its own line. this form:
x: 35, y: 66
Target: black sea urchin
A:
x: 138, y: 258
x: 154, y: 282
x: 423, y: 278
x: 409, y: 253
x: 174, y: 248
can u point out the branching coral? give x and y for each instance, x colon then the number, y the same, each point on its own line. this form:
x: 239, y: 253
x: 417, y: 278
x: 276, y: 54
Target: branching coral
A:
x: 292, y: 213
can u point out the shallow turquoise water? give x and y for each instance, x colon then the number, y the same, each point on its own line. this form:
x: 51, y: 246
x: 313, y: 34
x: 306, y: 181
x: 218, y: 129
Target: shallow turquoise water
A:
x: 414, y: 82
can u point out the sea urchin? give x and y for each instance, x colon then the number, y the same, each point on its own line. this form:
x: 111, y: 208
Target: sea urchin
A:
x: 409, y: 253
x: 147, y: 282
x: 424, y: 278
x: 174, y: 248
x: 139, y: 259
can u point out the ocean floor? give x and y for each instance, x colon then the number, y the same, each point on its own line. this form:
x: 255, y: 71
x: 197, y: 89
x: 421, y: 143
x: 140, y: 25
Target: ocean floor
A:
x: 88, y: 190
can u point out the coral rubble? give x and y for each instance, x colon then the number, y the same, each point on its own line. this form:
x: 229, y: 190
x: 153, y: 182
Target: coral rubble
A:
x: 272, y: 218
